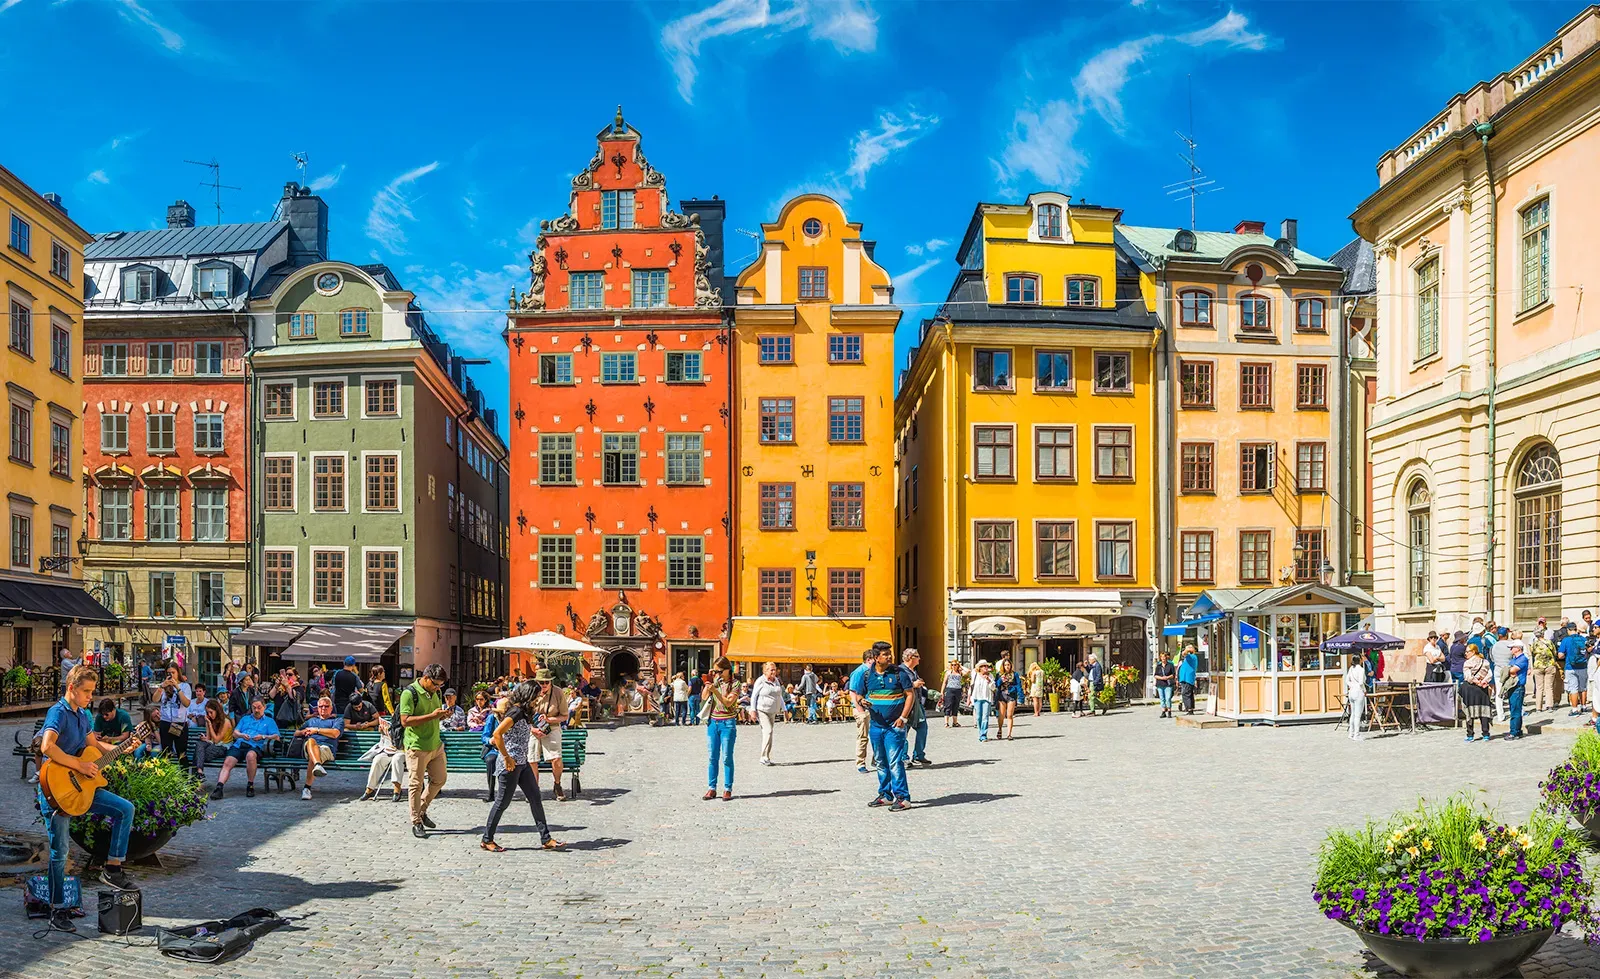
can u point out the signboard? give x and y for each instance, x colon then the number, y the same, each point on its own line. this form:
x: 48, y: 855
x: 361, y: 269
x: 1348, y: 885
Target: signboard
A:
x: 176, y: 640
x: 405, y: 649
x: 1249, y: 639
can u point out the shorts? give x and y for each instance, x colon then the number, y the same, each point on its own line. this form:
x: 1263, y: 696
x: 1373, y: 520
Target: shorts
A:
x: 242, y: 748
x: 319, y: 752
x: 1577, y: 680
x: 549, y: 743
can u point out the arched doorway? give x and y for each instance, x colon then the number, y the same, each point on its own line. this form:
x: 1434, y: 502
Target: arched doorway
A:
x: 621, y: 665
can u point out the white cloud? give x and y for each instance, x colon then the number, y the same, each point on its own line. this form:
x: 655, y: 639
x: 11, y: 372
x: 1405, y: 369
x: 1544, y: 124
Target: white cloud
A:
x: 850, y: 25
x: 99, y: 177
x: 8, y: 4
x: 1232, y: 29
x: 132, y: 12
x: 1041, y: 144
x: 328, y: 180
x: 1101, y: 79
x: 471, y: 208
x: 909, y: 276
x: 927, y: 247
x: 391, y: 210
x: 894, y: 133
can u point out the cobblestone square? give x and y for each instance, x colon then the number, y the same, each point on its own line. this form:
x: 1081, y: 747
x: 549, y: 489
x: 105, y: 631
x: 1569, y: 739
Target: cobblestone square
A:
x: 1117, y: 845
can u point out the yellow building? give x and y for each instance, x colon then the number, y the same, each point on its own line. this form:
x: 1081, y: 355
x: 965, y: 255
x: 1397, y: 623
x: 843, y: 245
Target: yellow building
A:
x: 1027, y: 435
x: 42, y: 602
x: 814, y: 443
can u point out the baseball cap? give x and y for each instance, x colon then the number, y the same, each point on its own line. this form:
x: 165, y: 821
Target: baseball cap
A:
x: 349, y: 661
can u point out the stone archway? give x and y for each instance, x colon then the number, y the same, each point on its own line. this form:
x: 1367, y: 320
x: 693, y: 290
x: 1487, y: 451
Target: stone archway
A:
x: 621, y: 664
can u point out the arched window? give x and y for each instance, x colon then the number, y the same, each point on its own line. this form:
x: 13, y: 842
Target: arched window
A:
x: 1419, y: 526
x: 1194, y: 308
x: 1538, y: 500
x: 1049, y: 220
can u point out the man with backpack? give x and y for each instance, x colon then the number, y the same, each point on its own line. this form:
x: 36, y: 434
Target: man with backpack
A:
x: 420, y: 710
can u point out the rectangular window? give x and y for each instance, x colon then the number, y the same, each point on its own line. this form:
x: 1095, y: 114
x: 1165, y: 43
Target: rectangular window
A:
x: 60, y: 541
x: 620, y: 456
x: 116, y: 513
x: 587, y: 290
x: 686, y: 566
x: 327, y: 577
x: 114, y: 433
x: 1113, y: 452
x: 280, y: 401
x: 21, y: 328
x: 60, y: 261
x: 1194, y: 308
x: 1310, y: 316
x: 212, y: 283
x: 163, y: 594
x: 277, y: 576
x: 991, y: 448
x: 616, y: 209
x: 1055, y: 453
x: 777, y: 419
x: 620, y: 562
x: 1311, y: 386
x: 844, y: 348
x: 327, y: 399
x: 1197, y: 384
x: 813, y: 283
x: 161, y: 433
x: 996, y: 549
x: 555, y: 460
x: 685, y: 459
x: 208, y: 594
x: 21, y: 235
x: 60, y: 449
x: 1195, y: 550
x: 383, y: 482
x: 353, y: 322
x: 1255, y: 314
x: 139, y: 285
x: 277, y: 481
x: 777, y: 506
x: 383, y: 397
x: 22, y: 433
x: 555, y: 368
x: 210, y: 513
x: 1255, y: 387
x: 845, y: 590
x: 327, y: 482
x: 1310, y: 467
x: 113, y: 359
x: 683, y: 367
x: 1052, y: 370
x: 1113, y: 373
x: 1083, y: 292
x: 649, y: 288
x: 777, y: 591
x: 775, y: 349
x: 846, y: 506
x: 1113, y: 549
x: 208, y: 432
x: 60, y: 350
x: 556, y: 561
x: 845, y: 420
x: 21, y: 541
x: 383, y: 579
x: 916, y: 491
x: 1048, y: 222
x: 1198, y: 467
x: 1310, y: 546
x: 1427, y: 309
x: 1257, y: 467
x: 1022, y: 289
x: 208, y: 358
x: 1535, y: 253
x: 991, y: 370
x: 1056, y: 543
x: 160, y: 513
x: 619, y: 368
x: 302, y: 326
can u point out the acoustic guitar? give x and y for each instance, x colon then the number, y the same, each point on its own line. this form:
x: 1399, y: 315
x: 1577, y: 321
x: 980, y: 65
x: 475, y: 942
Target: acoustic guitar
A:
x: 72, y: 792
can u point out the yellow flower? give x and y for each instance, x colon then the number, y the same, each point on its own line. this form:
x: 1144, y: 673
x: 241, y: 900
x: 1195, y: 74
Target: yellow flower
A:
x: 1479, y: 842
x: 1413, y: 851
x: 1427, y: 844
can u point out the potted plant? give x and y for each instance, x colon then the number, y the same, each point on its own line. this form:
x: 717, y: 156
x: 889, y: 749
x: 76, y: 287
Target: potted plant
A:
x: 1573, y: 787
x: 1116, y: 676
x: 1450, y: 892
x: 165, y: 799
x: 1054, y: 675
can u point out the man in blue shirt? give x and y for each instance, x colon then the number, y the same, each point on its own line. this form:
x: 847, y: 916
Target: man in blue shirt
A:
x: 886, y: 693
x: 1518, y: 670
x: 67, y: 730
x: 1574, y: 652
x: 1188, y: 670
x: 863, y: 728
x: 322, y: 734
x: 253, y: 734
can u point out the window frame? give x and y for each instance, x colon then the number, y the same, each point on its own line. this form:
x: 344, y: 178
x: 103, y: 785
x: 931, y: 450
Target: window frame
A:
x: 1262, y: 302
x: 60, y: 350
x: 1204, y: 311
x: 106, y: 359
x: 221, y: 360
x: 21, y: 238
x: 199, y: 503
x: 807, y: 283
x: 1304, y: 460
x: 1425, y: 276
x: 367, y: 459
x: 20, y: 335
x: 1318, y: 308
x: 155, y: 496
x: 168, y: 607
x: 290, y: 574
x: 202, y: 271
x: 1039, y: 475
x: 302, y: 325
x: 617, y: 358
x: 1208, y: 466
x: 684, y: 454
x: 1250, y: 445
x: 780, y: 344
x: 777, y: 501
x: 1010, y: 549
x: 1253, y: 535
x: 320, y: 383
x: 1209, y: 368
x: 993, y: 447
x: 680, y: 563
x: 1271, y: 376
x: 649, y: 277
x: 60, y: 261
x: 355, y: 322
x: 847, y: 408
x: 1127, y: 357
x: 293, y: 476
x: 1133, y: 549
x: 614, y: 199
x: 556, y: 453
x: 1133, y: 436
x: 684, y: 358
x: 1538, y: 237
x: 1308, y: 569
x: 318, y: 481
x: 377, y: 382
x: 557, y: 359
x: 620, y: 580
x: 1093, y: 281
x: 123, y: 508
x: 21, y: 542
x: 1419, y: 530
x: 367, y: 554
x: 586, y: 278
x: 1039, y: 550
x: 842, y: 506
x: 268, y: 399
x: 781, y: 408
x: 622, y: 453
x: 21, y: 428
x: 343, y: 577
x: 168, y: 358
x: 849, y: 585
x: 1307, y: 379
x: 1021, y: 279
x: 1210, y: 575
x: 1010, y: 382
x: 203, y: 422
x: 170, y: 425
x: 1047, y: 222
x: 60, y: 449
x: 845, y: 341
x: 564, y: 561
x: 1054, y: 353
x: 121, y: 429
x: 780, y: 587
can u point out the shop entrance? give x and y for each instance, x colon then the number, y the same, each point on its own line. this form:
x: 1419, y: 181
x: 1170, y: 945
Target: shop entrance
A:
x: 1067, y: 652
x: 691, y: 660
x: 993, y: 650
x: 621, y: 666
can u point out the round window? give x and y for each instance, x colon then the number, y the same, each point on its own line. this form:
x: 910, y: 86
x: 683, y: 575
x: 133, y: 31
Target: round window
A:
x: 328, y: 283
x: 812, y: 227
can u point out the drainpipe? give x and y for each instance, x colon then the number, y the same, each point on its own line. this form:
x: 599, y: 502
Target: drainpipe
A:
x: 1484, y: 131
x: 246, y: 386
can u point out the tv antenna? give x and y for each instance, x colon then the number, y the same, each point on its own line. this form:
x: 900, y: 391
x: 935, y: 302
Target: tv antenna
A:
x: 216, y: 184
x: 1197, y: 183
x: 753, y: 237
x: 302, y: 160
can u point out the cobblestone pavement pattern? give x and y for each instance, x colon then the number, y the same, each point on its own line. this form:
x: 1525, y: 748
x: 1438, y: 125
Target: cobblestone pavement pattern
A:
x: 1116, y: 845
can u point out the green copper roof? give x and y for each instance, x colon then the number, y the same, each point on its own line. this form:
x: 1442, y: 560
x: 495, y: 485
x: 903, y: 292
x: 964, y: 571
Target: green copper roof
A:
x: 1209, y: 246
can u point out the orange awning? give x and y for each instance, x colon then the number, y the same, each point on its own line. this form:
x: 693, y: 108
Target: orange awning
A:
x: 805, y: 640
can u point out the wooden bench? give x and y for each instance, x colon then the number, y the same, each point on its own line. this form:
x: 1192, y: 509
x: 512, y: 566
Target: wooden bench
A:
x: 276, y: 765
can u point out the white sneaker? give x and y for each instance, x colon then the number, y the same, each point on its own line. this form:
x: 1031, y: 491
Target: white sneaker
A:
x: 321, y: 772
x: 305, y: 794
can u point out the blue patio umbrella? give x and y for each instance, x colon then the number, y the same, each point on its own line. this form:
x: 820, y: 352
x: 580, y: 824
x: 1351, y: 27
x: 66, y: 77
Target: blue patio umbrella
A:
x: 1362, y: 641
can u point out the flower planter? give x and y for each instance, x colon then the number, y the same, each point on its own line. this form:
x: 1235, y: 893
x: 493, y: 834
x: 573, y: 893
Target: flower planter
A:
x: 142, y: 847
x: 1055, y: 703
x: 1454, y: 958
x: 1592, y: 826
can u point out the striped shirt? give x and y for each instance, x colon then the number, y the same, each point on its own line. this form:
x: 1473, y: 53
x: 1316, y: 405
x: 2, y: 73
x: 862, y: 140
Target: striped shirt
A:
x: 884, y: 692
x: 724, y: 701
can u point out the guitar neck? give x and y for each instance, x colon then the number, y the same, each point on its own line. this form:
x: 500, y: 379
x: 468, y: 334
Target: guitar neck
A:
x: 129, y: 743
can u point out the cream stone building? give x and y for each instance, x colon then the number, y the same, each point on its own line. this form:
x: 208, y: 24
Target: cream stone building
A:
x: 1484, y: 460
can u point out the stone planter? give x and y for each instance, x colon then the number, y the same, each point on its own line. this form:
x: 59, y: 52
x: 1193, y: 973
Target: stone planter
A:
x: 1455, y: 958
x: 142, y: 847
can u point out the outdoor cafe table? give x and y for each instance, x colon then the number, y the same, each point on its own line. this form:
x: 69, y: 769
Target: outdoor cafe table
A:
x: 1385, y: 700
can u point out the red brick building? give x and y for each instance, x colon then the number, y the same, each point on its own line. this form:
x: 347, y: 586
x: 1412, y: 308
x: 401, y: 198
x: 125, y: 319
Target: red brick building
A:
x: 619, y: 422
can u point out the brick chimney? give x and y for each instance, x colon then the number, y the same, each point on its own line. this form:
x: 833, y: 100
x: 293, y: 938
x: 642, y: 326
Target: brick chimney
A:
x: 1250, y: 228
x: 180, y: 214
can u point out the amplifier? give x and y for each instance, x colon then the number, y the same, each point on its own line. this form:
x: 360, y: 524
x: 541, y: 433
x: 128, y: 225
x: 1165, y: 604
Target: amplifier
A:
x: 121, y: 912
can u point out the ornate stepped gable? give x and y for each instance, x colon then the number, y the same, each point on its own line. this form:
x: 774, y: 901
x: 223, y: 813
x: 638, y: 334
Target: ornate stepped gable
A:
x: 618, y: 164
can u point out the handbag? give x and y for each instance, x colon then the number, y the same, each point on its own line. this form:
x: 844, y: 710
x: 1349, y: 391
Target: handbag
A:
x: 36, y: 896
x: 705, y: 710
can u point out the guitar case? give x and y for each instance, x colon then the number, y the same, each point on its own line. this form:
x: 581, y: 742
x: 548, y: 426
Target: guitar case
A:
x: 218, y: 941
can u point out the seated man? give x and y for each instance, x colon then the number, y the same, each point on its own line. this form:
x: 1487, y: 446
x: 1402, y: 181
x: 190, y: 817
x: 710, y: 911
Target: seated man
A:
x: 111, y: 721
x: 322, y: 733
x: 253, y: 734
x: 360, y: 715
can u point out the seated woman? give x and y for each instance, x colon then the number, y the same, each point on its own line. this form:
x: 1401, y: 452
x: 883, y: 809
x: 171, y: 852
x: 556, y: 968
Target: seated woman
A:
x: 218, y: 737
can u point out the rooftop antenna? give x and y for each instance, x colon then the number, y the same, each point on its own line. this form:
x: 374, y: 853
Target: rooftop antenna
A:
x: 753, y: 237
x: 302, y: 160
x: 216, y: 184
x: 1197, y: 183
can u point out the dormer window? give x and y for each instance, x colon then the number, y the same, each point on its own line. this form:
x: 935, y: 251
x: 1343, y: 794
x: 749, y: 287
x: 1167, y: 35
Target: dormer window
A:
x: 213, y: 282
x: 1022, y: 287
x: 1183, y: 241
x: 139, y: 285
x: 1049, y: 220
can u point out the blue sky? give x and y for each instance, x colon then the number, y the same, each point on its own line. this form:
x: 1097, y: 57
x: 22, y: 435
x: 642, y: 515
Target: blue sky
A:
x: 441, y: 134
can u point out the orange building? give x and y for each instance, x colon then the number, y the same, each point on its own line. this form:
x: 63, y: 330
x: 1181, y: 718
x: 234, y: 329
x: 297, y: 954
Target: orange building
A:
x: 619, y: 436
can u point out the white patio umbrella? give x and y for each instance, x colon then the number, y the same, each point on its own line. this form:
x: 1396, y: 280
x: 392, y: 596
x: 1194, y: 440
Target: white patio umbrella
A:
x: 544, y: 642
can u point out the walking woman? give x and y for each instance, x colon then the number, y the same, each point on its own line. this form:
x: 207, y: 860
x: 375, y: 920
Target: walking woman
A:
x: 1008, y: 693
x: 513, y: 736
x: 1477, y: 699
x: 982, y: 697
x: 1036, y: 687
x: 722, y: 728
x: 953, y: 689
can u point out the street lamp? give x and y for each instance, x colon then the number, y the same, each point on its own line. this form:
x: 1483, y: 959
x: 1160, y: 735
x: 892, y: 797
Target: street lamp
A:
x: 811, y: 576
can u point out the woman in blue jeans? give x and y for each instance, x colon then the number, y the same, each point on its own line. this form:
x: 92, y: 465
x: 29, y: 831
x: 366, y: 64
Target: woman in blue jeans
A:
x: 982, y: 695
x: 722, y: 728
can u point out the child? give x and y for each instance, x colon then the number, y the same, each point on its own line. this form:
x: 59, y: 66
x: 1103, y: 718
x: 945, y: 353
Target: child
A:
x: 1077, y: 692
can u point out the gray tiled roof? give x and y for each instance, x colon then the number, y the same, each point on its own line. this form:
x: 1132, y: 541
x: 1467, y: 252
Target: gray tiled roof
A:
x: 968, y: 303
x: 1360, y: 264
x: 220, y: 239
x: 1212, y: 246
